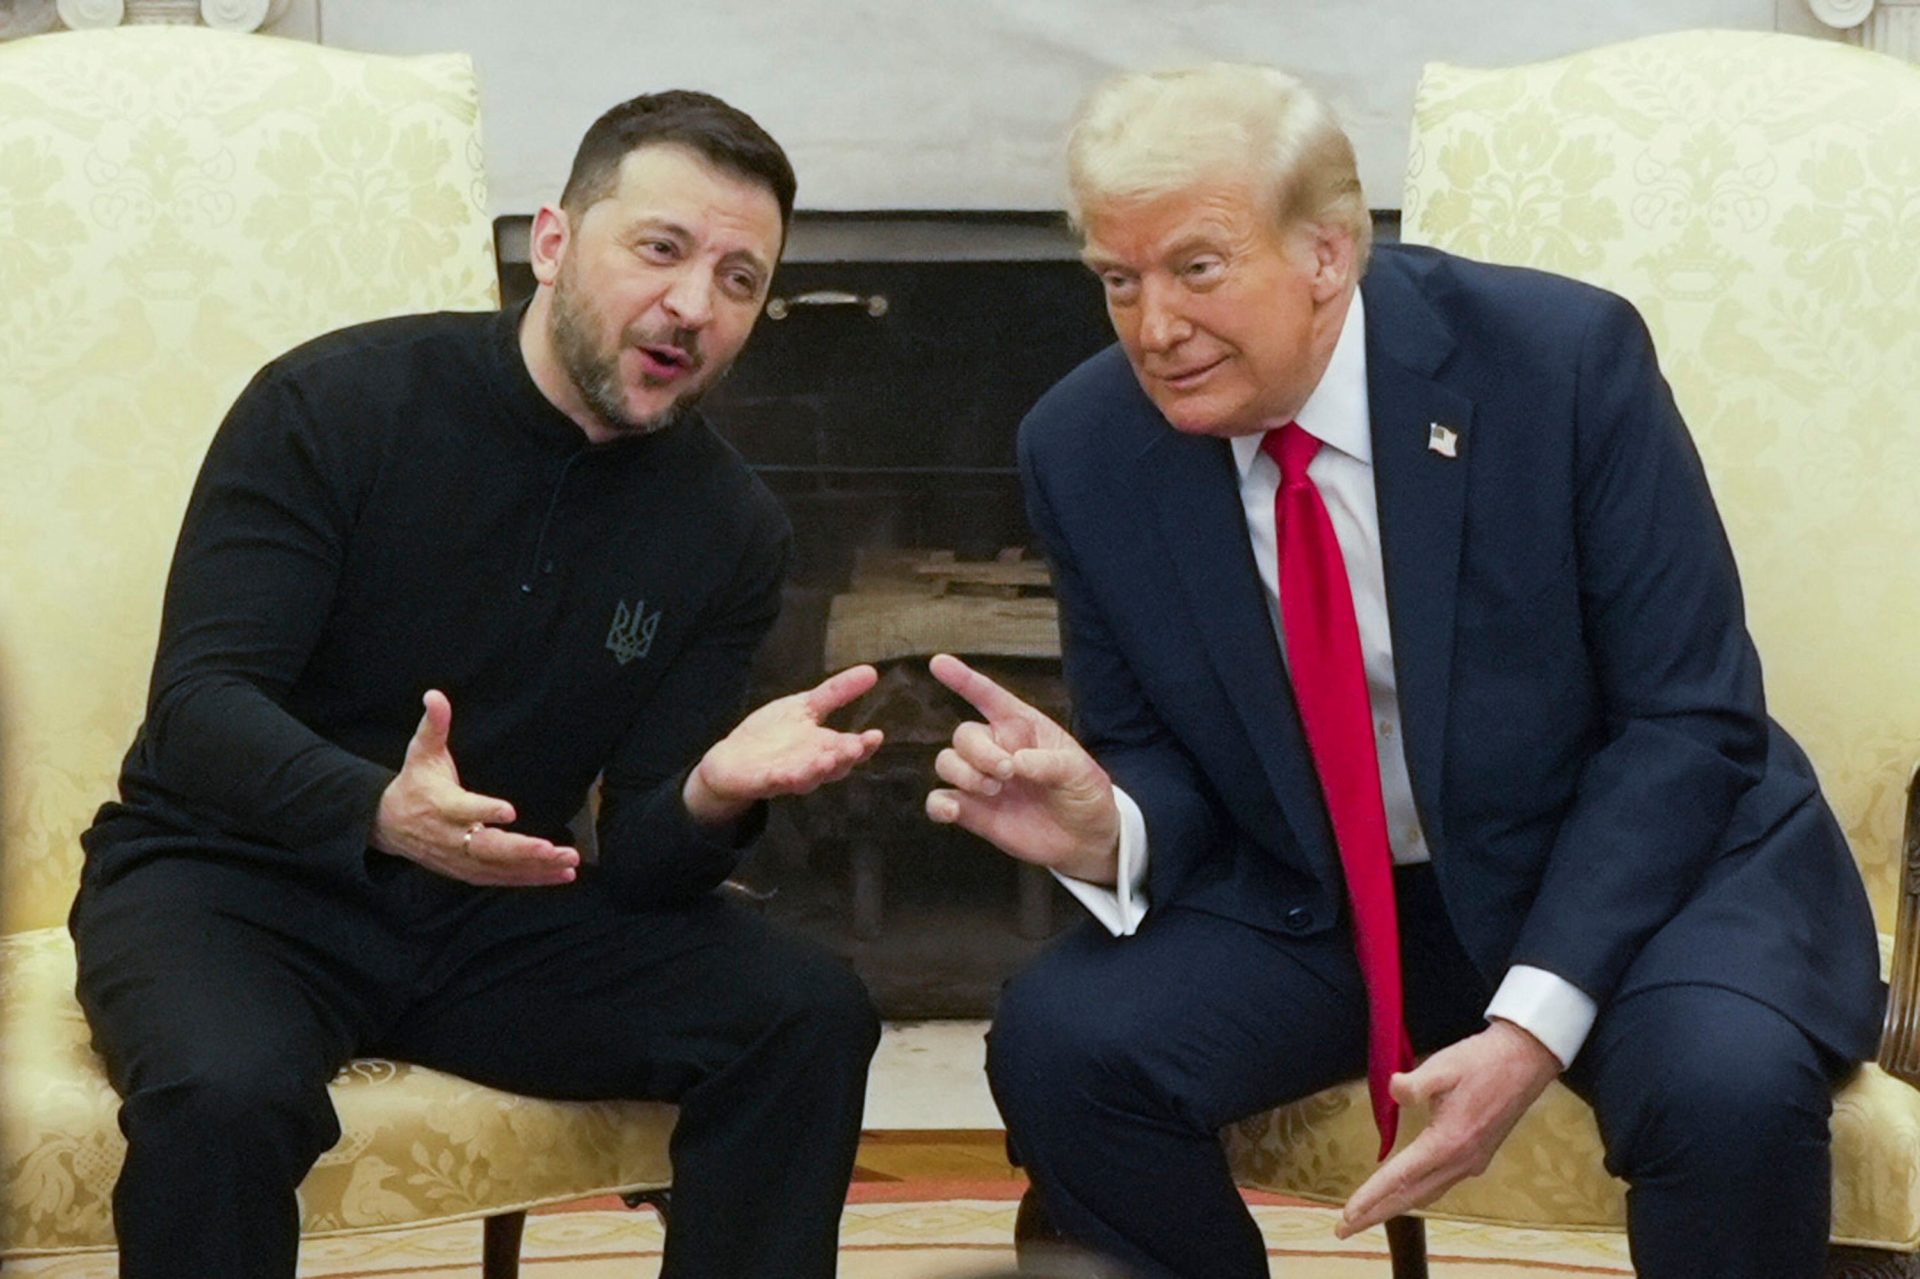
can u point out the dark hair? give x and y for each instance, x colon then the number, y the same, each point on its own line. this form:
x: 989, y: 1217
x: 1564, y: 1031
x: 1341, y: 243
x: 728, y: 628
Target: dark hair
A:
x: 725, y: 136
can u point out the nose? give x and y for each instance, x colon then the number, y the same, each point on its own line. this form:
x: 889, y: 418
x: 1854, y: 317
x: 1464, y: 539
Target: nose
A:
x: 1162, y: 326
x: 689, y: 300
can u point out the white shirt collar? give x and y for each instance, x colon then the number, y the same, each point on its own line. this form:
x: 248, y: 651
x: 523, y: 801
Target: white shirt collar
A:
x: 1336, y: 412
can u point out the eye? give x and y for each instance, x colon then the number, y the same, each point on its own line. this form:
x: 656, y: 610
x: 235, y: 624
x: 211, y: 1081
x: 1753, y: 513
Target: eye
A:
x: 1203, y: 270
x: 742, y: 284
x: 1119, y: 286
x: 659, y: 250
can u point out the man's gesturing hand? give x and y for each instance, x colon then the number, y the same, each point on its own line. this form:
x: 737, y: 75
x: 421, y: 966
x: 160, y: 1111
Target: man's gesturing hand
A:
x: 1021, y: 782
x: 426, y: 815
x: 1477, y: 1089
x: 781, y: 749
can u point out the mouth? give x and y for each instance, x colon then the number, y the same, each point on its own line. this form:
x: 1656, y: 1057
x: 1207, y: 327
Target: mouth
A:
x: 1188, y: 379
x: 664, y: 363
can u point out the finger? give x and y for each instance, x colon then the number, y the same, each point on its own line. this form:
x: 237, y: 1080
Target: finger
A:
x: 976, y: 744
x: 435, y: 723
x: 839, y: 774
x: 1385, y: 1193
x: 480, y: 860
x: 1358, y: 1214
x: 515, y: 877
x: 855, y: 748
x: 1421, y: 1190
x: 1050, y: 768
x: 464, y: 808
x: 987, y: 697
x: 956, y: 772
x: 837, y: 758
x: 520, y: 876
x: 943, y: 806
x: 949, y: 807
x: 504, y: 849
x: 837, y: 690
x: 1417, y: 1087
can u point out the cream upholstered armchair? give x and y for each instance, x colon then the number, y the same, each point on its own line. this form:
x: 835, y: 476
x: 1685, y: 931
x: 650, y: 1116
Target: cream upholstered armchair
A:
x: 177, y: 206
x: 1758, y: 198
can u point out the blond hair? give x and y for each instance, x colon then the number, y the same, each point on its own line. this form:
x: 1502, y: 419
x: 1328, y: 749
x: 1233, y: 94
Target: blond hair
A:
x: 1147, y: 134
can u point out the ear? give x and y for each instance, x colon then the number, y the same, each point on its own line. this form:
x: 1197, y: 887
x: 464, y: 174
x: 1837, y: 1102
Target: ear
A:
x: 1332, y: 261
x: 547, y: 242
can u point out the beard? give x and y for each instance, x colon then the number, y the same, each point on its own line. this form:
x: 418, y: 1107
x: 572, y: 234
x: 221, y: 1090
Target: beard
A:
x: 594, y: 368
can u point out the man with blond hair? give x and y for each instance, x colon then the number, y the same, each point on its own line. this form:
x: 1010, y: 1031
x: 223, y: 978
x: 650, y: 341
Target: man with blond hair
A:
x: 1415, y: 713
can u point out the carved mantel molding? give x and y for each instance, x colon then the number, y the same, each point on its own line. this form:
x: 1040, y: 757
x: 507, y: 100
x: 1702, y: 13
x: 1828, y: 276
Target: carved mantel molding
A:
x: 34, y: 17
x: 1885, y: 26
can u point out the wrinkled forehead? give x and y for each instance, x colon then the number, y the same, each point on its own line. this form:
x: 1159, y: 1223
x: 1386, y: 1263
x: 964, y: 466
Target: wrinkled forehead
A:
x: 672, y: 183
x: 1221, y: 211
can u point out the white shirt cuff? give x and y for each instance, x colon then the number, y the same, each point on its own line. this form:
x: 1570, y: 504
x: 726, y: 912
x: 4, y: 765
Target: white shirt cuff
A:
x: 1122, y: 907
x: 1551, y: 1009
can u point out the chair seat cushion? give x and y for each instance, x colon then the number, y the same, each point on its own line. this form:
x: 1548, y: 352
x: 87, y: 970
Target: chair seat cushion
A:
x: 416, y: 1145
x: 1548, y: 1175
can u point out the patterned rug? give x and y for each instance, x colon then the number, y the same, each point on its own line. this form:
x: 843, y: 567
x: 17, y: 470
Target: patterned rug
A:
x: 904, y: 1230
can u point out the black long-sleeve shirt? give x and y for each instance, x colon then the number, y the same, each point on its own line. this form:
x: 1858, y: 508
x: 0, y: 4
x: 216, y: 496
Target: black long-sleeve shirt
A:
x: 396, y: 507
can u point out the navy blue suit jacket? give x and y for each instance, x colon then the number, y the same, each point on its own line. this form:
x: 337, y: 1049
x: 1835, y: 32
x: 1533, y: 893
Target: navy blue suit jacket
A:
x: 1603, y: 793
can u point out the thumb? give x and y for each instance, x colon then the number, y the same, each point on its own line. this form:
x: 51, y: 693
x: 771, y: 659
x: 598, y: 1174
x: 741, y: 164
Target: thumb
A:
x: 1416, y: 1087
x: 431, y: 737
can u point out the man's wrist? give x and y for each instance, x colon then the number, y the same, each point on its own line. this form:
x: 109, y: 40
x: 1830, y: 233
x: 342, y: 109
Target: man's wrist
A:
x: 1546, y: 1006
x: 1544, y: 1056
x: 707, y: 808
x: 1100, y: 867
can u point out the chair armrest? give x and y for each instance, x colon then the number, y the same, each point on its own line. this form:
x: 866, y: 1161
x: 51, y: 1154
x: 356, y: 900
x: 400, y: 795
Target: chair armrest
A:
x: 1900, y: 1039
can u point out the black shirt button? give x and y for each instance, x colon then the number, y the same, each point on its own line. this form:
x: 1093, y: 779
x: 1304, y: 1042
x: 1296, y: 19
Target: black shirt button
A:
x: 1299, y: 919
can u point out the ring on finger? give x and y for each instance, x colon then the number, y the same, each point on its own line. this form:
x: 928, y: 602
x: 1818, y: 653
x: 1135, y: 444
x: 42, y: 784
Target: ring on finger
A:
x: 466, y: 840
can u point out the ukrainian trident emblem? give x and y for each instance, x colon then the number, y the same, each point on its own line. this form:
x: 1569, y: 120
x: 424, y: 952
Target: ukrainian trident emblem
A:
x: 631, y: 635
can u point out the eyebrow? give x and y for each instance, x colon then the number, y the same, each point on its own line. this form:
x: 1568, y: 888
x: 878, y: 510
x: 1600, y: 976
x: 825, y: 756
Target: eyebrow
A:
x: 645, y: 223
x: 1187, y: 245
x: 1198, y: 242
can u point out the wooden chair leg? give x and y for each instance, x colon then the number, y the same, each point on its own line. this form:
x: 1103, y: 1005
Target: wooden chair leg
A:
x: 661, y: 1201
x: 1407, y: 1245
x: 500, y: 1250
x: 1870, y: 1263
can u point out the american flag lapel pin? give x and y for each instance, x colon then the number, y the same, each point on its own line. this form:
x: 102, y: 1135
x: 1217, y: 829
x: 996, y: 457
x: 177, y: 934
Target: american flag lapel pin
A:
x: 1443, y: 440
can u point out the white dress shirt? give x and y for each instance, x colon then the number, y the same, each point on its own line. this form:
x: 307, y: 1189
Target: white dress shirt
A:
x: 1553, y: 1010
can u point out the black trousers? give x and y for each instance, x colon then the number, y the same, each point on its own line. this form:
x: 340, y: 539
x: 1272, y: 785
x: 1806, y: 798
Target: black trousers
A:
x: 223, y: 1001
x: 1116, y: 1061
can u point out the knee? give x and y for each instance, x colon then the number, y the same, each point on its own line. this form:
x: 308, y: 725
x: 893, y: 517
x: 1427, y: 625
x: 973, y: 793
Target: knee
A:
x: 826, y: 1000
x: 1728, y: 1114
x: 1056, y: 1048
x: 234, y: 1098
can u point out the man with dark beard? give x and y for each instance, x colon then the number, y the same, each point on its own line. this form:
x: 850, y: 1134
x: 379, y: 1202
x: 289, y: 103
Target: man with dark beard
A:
x: 519, y: 515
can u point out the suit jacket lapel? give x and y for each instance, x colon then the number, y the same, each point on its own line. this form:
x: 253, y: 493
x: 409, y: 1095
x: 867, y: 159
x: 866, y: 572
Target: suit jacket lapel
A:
x: 1421, y: 494
x: 1191, y: 485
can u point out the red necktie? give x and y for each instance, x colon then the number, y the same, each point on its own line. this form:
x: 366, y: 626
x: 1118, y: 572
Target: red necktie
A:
x: 1330, y: 687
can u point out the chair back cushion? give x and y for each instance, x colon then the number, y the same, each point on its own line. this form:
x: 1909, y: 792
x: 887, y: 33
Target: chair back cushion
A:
x: 1757, y: 196
x: 177, y: 206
